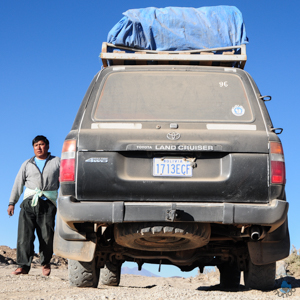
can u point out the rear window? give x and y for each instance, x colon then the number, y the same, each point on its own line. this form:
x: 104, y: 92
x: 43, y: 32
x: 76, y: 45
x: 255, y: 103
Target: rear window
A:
x: 169, y: 96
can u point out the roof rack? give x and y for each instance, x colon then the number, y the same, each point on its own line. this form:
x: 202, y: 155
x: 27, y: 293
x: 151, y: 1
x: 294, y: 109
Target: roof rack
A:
x: 234, y: 56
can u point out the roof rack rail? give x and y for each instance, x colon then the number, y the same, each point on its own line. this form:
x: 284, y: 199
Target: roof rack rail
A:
x: 234, y: 56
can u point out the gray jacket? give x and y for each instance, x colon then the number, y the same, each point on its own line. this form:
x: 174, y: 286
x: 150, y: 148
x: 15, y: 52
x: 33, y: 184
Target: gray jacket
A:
x: 30, y: 176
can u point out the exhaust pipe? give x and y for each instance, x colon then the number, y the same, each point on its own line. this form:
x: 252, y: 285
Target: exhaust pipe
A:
x: 255, y: 233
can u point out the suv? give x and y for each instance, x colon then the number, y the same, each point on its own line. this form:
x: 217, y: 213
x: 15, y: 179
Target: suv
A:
x: 173, y: 159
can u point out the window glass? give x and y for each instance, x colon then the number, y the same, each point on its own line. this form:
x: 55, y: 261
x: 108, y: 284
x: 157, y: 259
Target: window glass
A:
x: 168, y: 96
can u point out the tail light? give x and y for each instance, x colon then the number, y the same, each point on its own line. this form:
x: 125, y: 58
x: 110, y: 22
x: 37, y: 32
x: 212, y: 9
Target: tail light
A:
x: 67, y: 164
x: 277, y: 163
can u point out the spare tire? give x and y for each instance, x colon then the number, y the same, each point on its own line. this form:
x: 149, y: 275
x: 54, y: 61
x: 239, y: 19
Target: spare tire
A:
x: 162, y: 236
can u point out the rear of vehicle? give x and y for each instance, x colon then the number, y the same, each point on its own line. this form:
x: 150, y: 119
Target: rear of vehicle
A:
x: 173, y: 165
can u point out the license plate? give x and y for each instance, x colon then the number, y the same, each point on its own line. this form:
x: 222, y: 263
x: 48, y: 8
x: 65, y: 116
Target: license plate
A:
x: 173, y: 167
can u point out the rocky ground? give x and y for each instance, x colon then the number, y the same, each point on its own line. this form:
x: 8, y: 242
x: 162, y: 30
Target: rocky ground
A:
x: 203, y: 286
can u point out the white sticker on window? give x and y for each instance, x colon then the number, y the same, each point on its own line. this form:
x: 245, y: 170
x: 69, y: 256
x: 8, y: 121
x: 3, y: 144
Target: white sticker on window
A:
x: 223, y: 83
x: 238, y: 110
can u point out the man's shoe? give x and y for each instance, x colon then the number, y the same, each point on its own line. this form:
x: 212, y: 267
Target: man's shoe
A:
x: 19, y: 271
x: 46, y: 270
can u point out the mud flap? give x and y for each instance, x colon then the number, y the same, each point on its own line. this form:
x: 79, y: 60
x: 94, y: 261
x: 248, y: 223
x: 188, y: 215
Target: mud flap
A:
x: 275, y: 246
x: 80, y: 250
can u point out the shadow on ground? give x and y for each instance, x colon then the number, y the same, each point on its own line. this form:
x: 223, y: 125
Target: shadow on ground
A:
x: 284, y: 283
x: 289, y: 280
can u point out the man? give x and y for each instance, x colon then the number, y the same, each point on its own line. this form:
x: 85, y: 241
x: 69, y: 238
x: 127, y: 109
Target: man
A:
x: 40, y: 176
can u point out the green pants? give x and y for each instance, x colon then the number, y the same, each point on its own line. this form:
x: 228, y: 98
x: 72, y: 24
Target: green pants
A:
x: 42, y: 219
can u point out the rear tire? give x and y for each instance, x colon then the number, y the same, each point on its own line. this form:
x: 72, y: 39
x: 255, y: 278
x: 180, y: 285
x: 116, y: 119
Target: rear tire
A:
x: 83, y: 274
x: 230, y: 276
x: 162, y: 236
x: 110, y: 274
x: 260, y: 277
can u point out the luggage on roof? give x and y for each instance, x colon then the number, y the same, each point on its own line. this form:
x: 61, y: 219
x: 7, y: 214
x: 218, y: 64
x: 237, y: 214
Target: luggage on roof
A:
x: 179, y: 28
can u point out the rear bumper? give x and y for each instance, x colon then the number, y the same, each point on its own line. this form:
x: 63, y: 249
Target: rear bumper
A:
x: 272, y: 214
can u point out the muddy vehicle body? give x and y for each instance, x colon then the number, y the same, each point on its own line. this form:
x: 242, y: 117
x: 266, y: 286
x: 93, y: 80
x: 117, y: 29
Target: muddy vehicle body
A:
x: 173, y: 161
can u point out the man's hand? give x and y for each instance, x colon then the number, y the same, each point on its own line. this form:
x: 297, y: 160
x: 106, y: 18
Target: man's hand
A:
x: 11, y: 210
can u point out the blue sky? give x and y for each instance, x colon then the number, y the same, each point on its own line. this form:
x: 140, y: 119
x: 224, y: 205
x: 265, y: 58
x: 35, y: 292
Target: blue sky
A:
x: 49, y: 54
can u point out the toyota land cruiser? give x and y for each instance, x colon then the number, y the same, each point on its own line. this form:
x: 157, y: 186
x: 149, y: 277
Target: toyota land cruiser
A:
x: 173, y: 159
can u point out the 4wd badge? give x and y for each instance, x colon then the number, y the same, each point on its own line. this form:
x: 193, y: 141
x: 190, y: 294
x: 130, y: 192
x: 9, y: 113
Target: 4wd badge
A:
x: 97, y: 160
x: 173, y: 136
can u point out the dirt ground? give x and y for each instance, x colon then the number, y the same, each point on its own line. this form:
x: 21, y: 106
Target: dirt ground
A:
x: 56, y: 286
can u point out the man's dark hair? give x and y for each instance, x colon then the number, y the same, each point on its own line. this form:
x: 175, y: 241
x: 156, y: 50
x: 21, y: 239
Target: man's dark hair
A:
x: 40, y: 138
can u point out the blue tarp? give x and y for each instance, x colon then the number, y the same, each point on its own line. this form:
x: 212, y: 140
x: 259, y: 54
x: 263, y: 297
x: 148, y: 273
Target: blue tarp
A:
x: 179, y: 28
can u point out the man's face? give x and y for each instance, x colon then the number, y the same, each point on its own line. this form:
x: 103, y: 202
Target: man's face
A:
x: 40, y: 150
